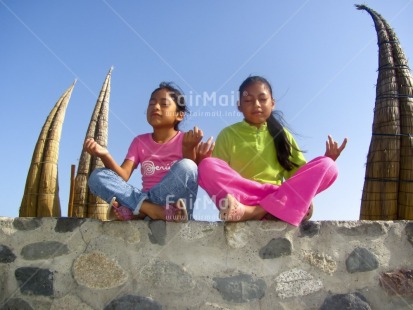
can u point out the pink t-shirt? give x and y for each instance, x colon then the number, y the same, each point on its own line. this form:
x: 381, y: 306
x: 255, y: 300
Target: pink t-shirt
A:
x: 156, y: 159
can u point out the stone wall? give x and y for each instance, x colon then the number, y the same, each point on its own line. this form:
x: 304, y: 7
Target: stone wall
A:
x: 48, y: 263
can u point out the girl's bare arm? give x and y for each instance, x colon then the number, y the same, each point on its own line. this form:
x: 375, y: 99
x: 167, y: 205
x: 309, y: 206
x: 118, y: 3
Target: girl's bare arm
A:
x: 94, y: 149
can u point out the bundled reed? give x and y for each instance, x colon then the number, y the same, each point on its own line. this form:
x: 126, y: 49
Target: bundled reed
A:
x: 41, y: 193
x: 85, y: 204
x: 388, y: 185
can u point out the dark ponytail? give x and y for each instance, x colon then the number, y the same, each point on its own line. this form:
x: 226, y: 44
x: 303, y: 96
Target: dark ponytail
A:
x: 281, y: 142
x: 275, y: 125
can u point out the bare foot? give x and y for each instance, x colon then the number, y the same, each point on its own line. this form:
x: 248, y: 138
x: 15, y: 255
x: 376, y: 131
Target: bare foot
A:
x: 177, y: 212
x: 122, y: 213
x: 232, y: 210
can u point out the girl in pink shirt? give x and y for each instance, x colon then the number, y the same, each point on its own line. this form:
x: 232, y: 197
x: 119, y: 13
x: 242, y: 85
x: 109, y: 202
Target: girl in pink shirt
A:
x: 166, y: 157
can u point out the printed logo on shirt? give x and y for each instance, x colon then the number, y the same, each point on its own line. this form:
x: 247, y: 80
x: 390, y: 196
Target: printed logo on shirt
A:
x: 149, y: 168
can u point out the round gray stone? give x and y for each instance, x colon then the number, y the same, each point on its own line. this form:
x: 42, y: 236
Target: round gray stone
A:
x: 35, y: 281
x: 133, y: 302
x: 241, y: 288
x: 6, y: 254
x: 44, y: 250
x: 361, y: 260
x: 354, y: 301
x: 276, y: 248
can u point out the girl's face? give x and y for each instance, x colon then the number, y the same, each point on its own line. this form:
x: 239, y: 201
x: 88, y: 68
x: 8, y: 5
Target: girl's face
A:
x: 162, y: 110
x: 256, y: 103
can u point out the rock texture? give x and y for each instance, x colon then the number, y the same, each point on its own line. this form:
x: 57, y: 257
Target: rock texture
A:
x: 48, y: 263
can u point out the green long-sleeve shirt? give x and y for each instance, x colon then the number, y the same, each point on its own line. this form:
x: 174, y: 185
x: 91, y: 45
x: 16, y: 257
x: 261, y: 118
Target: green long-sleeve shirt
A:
x: 251, y: 152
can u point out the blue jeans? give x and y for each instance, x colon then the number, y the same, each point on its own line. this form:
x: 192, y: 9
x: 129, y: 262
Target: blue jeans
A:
x: 180, y: 182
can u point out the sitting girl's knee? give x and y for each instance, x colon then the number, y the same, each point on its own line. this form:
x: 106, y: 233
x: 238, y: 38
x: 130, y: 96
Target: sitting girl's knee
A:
x: 330, y: 166
x: 95, y: 172
x: 324, y: 160
x: 206, y: 163
x: 329, y: 161
x: 96, y: 176
x: 187, y: 164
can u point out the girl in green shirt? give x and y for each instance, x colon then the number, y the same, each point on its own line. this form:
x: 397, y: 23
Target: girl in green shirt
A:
x: 256, y: 166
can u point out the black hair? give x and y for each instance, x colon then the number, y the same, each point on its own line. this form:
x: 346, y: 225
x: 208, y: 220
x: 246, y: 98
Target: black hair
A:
x: 275, y: 125
x: 177, y: 96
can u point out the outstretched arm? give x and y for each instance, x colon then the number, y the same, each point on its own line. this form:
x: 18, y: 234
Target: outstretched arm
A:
x: 94, y: 149
x: 332, y: 149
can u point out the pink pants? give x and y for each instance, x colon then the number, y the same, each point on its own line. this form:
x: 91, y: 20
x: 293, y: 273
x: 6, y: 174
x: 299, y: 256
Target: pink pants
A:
x: 289, y: 201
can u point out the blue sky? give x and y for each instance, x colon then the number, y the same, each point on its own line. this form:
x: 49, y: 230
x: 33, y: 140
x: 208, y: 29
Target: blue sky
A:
x: 320, y: 56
